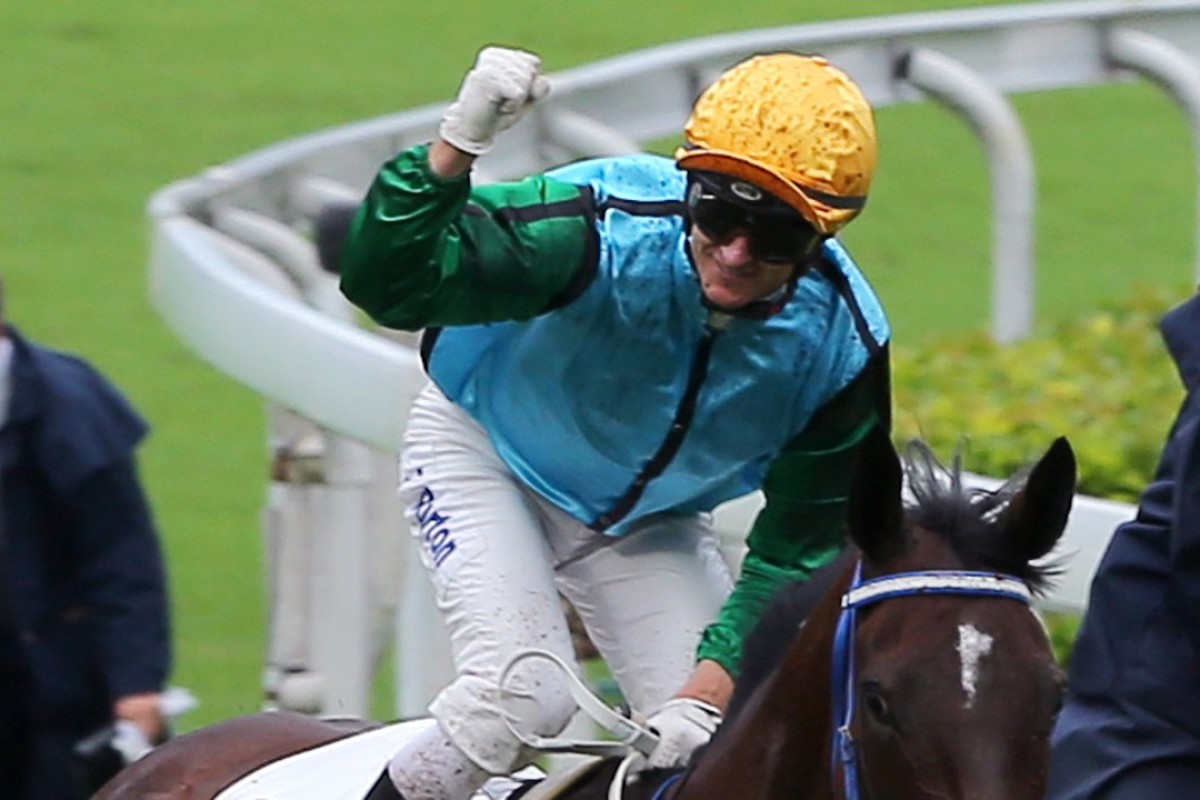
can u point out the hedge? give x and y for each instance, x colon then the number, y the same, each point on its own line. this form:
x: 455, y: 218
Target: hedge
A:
x: 1104, y: 380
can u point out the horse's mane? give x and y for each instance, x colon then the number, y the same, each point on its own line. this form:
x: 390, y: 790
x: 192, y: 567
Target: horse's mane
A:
x: 968, y: 517
x: 765, y: 645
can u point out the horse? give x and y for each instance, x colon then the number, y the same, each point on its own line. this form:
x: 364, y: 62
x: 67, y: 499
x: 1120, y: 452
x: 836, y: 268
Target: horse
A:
x: 913, y: 668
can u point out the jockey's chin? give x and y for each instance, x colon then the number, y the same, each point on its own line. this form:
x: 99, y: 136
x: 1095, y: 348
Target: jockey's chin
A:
x: 731, y: 276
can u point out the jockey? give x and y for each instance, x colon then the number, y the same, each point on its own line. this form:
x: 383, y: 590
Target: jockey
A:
x: 616, y: 347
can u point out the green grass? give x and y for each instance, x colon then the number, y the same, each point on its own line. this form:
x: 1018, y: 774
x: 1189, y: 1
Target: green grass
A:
x: 104, y: 102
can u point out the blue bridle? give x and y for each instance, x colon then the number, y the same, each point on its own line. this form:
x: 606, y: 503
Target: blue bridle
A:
x: 863, y: 593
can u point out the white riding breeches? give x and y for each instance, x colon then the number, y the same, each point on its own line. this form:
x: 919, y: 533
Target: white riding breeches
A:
x: 494, y: 550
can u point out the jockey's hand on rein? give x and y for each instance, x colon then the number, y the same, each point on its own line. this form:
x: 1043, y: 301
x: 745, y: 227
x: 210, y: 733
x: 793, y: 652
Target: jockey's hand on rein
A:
x: 682, y: 725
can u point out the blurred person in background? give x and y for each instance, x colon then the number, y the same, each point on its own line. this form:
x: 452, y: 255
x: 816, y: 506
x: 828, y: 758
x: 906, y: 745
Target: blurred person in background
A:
x: 1130, y: 726
x: 84, y: 634
x: 616, y: 347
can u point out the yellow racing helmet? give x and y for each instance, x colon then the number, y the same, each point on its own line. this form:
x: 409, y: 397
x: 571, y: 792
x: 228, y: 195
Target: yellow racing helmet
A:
x: 793, y: 125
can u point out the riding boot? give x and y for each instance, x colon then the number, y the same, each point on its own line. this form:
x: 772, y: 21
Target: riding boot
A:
x: 384, y: 789
x: 429, y: 766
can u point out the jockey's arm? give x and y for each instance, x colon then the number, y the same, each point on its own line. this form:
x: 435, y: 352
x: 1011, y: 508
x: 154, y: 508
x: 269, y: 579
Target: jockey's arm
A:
x: 447, y: 161
x: 709, y: 682
x: 800, y: 529
x: 426, y: 248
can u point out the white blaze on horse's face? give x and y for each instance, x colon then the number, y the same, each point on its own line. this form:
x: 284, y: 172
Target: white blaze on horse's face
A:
x: 973, y: 645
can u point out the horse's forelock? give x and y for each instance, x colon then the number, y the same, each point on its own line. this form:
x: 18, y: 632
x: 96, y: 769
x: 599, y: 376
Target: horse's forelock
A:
x: 968, y: 517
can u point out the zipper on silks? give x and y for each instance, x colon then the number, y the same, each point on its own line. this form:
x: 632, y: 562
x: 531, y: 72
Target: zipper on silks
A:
x: 716, y: 323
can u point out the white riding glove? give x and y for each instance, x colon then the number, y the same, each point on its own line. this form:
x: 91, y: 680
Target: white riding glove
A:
x: 495, y: 94
x: 682, y: 724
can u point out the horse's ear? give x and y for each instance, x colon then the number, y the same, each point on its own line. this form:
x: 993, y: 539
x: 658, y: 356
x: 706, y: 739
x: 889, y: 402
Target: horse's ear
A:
x: 1037, y: 515
x: 875, y: 512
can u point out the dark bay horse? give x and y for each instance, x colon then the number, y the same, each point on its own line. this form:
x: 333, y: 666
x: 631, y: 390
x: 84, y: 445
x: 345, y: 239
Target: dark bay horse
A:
x: 919, y: 672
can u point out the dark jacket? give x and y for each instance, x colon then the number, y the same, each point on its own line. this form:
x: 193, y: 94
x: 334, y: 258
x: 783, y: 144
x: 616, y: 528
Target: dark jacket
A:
x: 82, y: 584
x: 1135, y: 671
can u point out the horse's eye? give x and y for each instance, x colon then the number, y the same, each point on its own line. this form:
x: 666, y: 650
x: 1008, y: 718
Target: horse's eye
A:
x: 876, y: 705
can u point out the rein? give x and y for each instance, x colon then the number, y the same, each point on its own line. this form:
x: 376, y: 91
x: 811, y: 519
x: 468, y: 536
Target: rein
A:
x: 631, y: 736
x: 863, y: 593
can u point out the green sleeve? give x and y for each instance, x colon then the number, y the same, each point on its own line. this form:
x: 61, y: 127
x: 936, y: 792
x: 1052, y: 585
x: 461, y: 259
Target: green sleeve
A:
x: 425, y: 250
x: 800, y: 528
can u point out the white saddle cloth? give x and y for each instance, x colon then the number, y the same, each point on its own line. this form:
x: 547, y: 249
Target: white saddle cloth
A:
x: 341, y: 770
x: 345, y: 769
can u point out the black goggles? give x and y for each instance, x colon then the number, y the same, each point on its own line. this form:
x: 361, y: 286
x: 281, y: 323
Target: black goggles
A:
x: 777, y: 232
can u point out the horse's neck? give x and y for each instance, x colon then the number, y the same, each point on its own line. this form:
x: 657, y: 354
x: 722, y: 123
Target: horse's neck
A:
x: 779, y: 744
